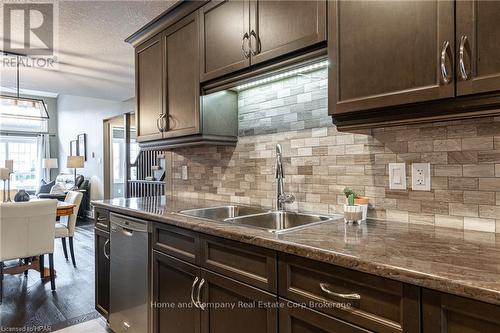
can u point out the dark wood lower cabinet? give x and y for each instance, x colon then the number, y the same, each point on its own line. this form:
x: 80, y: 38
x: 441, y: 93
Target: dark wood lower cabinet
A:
x: 447, y: 313
x: 173, y: 310
x: 101, y: 248
x: 226, y: 305
x: 242, y: 308
x: 299, y: 319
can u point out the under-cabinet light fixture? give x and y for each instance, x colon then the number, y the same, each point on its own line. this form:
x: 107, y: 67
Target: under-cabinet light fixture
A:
x: 284, y: 75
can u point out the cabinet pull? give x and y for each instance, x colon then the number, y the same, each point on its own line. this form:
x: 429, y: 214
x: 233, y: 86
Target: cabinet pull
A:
x: 257, y: 43
x: 158, y: 122
x: 444, y: 72
x: 200, y: 304
x: 104, y: 249
x: 192, y: 292
x: 324, y: 287
x: 164, y: 122
x: 245, y: 37
x: 461, y: 63
x: 100, y: 219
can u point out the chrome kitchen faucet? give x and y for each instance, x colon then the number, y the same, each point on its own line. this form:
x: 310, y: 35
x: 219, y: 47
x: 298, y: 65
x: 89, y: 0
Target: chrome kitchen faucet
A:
x: 281, y: 197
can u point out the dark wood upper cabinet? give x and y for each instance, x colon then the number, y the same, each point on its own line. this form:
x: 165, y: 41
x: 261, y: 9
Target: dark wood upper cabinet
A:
x: 478, y: 50
x: 173, y: 284
x: 387, y: 53
x: 224, y: 48
x: 182, y: 77
x: 101, y: 248
x: 281, y: 27
x: 447, y: 313
x: 149, y: 59
x: 254, y: 317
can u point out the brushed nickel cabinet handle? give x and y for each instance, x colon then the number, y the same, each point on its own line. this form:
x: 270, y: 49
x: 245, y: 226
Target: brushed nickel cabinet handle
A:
x: 461, y: 63
x: 245, y: 37
x: 257, y: 43
x: 104, y: 249
x: 164, y: 122
x: 444, y: 72
x: 200, y: 304
x: 324, y: 287
x: 192, y: 292
x: 158, y: 122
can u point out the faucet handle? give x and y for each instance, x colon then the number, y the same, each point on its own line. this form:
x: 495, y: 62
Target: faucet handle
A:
x: 287, y: 198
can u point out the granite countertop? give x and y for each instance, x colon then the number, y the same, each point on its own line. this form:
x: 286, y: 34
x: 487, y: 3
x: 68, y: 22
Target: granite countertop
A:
x: 465, y: 263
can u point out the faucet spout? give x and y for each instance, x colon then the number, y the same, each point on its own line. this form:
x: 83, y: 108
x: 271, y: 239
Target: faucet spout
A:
x: 281, y: 197
x: 279, y: 162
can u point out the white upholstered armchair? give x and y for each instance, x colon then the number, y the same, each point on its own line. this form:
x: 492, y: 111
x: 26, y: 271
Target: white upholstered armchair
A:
x: 27, y: 230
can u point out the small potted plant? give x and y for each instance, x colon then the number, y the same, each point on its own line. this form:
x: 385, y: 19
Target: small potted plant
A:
x: 358, y: 200
x: 352, y: 212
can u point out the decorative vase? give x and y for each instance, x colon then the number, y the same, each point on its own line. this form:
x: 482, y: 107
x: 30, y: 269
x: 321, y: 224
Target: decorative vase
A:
x: 353, y: 213
x: 21, y: 196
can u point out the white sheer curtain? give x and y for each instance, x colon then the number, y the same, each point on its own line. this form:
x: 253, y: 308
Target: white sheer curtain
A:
x: 43, y: 151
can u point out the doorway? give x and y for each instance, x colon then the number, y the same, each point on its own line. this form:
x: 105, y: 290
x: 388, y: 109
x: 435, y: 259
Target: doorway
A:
x: 120, y: 152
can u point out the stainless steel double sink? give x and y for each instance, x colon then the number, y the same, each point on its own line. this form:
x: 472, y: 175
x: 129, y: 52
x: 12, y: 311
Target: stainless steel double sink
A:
x: 272, y: 221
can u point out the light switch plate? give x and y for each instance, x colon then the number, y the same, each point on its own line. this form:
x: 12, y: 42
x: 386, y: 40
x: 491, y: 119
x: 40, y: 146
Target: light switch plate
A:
x: 421, y: 176
x: 397, y: 176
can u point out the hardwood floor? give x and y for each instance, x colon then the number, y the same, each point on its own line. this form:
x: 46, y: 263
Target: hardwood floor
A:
x: 93, y: 326
x: 29, y: 302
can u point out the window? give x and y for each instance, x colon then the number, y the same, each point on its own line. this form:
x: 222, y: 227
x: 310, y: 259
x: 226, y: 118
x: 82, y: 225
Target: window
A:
x: 23, y: 150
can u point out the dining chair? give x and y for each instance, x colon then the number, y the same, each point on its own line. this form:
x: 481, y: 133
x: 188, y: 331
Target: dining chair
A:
x: 27, y: 230
x: 68, y: 229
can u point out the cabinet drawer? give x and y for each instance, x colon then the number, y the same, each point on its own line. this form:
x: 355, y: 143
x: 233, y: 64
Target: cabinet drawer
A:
x: 177, y: 242
x: 101, y: 217
x: 299, y: 319
x: 383, y: 305
x: 250, y: 264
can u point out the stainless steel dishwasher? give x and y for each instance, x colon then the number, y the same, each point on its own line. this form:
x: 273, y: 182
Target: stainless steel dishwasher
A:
x: 129, y: 299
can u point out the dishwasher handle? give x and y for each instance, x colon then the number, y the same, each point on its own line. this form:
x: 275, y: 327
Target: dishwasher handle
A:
x: 128, y: 224
x: 127, y: 232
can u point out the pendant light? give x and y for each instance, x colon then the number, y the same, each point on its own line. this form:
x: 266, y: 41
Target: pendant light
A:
x: 21, y: 107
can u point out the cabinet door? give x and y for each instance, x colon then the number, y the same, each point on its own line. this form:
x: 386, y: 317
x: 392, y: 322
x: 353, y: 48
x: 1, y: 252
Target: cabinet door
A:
x: 478, y: 50
x: 447, y: 313
x: 173, y: 310
x: 247, y: 316
x: 299, y: 319
x: 282, y: 27
x: 149, y: 63
x: 101, y: 248
x: 387, y: 53
x: 183, y: 84
x: 223, y: 25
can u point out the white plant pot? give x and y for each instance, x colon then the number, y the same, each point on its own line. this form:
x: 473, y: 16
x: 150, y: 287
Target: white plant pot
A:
x: 353, y: 213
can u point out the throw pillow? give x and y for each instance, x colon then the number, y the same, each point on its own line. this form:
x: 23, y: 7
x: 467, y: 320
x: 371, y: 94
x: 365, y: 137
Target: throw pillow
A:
x: 45, y: 187
x: 58, y: 188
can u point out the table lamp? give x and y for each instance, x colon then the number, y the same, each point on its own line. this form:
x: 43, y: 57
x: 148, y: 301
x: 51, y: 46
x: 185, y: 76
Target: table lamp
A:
x: 5, y: 176
x: 74, y: 162
x: 9, y: 165
x: 49, y: 163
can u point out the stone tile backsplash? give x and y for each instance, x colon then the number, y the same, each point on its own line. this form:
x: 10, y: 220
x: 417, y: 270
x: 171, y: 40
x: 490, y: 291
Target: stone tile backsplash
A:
x: 320, y: 161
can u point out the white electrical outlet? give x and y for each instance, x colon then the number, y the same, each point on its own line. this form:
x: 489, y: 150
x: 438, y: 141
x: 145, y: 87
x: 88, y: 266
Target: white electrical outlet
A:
x: 397, y: 176
x: 421, y: 176
x: 184, y: 172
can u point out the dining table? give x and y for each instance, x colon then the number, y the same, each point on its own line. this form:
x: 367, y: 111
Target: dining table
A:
x: 63, y: 209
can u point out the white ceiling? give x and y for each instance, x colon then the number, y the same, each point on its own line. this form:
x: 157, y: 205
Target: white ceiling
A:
x: 92, y: 58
